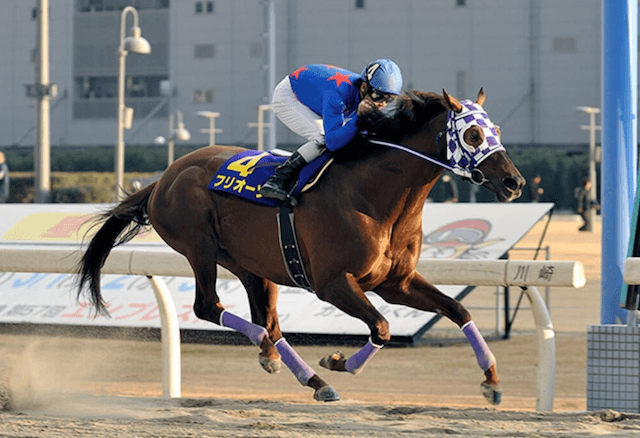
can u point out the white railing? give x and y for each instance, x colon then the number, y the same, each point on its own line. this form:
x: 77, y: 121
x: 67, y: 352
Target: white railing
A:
x: 632, y: 270
x: 631, y: 276
x: 523, y: 273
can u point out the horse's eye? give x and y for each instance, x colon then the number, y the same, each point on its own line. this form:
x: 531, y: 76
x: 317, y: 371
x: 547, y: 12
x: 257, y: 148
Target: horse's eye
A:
x: 474, y: 137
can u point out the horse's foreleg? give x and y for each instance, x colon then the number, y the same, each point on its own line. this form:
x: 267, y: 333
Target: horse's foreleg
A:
x: 354, y: 364
x: 346, y: 294
x: 486, y: 360
x: 420, y: 294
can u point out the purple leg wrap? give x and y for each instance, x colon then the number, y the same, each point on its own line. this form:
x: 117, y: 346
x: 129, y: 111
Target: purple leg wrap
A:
x: 252, y: 331
x: 480, y: 348
x: 298, y: 367
x: 356, y: 363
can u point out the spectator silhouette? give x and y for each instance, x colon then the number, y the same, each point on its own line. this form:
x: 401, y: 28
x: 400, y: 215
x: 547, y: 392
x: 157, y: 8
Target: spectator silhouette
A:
x: 4, y: 179
x: 535, y: 191
x: 585, y: 204
x: 451, y: 187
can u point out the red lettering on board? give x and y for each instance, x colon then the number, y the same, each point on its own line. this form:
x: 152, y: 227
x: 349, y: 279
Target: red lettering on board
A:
x: 66, y: 228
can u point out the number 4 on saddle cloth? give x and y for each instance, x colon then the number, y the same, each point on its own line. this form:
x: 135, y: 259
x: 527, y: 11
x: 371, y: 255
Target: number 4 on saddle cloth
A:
x: 244, y: 173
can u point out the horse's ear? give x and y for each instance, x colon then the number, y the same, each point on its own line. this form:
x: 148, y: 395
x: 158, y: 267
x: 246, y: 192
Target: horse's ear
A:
x: 452, y: 102
x: 481, y: 97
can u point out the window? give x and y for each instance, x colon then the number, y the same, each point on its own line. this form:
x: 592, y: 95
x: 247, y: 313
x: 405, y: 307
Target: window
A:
x: 204, y: 8
x: 203, y: 96
x: 461, y: 3
x: 34, y: 13
x: 119, y: 5
x: 106, y: 87
x: 136, y: 86
x: 359, y: 4
x: 256, y: 50
x: 204, y: 51
x: 95, y: 97
x: 565, y: 45
x: 95, y: 87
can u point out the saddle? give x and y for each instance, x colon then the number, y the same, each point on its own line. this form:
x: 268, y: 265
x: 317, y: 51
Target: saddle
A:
x: 244, y: 173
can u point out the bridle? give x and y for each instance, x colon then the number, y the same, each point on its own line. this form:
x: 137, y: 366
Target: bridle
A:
x: 462, y: 158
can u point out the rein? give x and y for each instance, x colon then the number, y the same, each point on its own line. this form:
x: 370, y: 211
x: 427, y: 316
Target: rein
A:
x: 428, y: 158
x: 475, y: 176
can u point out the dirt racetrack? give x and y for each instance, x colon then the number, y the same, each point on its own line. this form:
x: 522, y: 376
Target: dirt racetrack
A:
x: 112, y: 388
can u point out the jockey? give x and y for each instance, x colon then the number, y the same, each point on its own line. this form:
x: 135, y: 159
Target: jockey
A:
x: 322, y: 103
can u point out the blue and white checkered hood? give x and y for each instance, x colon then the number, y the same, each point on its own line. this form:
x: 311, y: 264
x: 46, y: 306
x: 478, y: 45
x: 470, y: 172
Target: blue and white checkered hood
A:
x: 463, y: 157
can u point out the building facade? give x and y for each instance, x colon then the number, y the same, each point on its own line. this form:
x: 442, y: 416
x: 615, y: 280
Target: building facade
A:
x: 536, y: 59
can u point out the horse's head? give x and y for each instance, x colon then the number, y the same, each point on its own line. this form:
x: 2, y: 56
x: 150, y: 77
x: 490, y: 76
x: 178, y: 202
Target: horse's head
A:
x: 474, y: 149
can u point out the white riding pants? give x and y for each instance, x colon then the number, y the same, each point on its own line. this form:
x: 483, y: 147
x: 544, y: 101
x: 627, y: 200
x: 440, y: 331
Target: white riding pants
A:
x: 300, y: 119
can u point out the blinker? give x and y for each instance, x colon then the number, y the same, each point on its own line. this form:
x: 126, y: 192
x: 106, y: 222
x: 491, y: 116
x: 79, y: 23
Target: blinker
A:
x: 464, y: 158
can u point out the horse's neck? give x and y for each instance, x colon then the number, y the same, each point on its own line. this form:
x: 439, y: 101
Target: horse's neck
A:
x: 390, y: 184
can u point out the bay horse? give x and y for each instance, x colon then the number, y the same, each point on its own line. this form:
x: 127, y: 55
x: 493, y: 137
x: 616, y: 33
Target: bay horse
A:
x: 359, y: 229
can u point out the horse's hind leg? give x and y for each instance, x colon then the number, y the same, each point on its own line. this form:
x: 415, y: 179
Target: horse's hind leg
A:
x: 263, y: 297
x: 420, y: 294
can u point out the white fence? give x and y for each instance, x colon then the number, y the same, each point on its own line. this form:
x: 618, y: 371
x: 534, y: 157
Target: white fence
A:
x: 632, y: 270
x: 525, y: 274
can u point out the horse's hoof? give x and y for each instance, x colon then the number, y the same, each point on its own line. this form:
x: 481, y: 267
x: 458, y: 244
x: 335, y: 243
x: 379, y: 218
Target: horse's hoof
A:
x: 333, y: 362
x: 491, y: 392
x: 272, y: 366
x: 326, y: 394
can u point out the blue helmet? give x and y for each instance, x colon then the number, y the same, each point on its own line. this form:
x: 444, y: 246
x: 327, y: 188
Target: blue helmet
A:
x: 383, y: 75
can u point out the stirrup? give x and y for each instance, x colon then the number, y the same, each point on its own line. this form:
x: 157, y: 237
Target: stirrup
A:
x: 273, y: 192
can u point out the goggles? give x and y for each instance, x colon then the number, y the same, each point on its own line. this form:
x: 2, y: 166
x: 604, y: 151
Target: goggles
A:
x: 378, y: 96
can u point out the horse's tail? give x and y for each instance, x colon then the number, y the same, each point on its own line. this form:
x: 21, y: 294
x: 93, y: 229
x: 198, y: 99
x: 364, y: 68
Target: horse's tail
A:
x: 119, y: 225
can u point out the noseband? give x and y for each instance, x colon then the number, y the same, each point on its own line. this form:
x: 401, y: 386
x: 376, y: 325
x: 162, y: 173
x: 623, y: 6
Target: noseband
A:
x: 462, y: 158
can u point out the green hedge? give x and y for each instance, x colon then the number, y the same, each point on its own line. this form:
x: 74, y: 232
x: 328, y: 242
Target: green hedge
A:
x: 97, y: 159
x: 561, y: 173
x: 72, y: 187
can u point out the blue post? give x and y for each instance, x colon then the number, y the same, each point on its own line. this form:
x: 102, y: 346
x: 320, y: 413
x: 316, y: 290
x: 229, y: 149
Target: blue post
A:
x: 619, y: 146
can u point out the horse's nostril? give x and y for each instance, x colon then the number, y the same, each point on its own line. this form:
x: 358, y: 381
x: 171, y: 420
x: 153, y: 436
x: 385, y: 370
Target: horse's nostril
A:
x: 510, y: 183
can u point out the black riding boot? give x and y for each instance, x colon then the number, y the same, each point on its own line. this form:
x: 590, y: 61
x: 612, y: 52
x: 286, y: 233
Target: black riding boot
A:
x: 282, y: 182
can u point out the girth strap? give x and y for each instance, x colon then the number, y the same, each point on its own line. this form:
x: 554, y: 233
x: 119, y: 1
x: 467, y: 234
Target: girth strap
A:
x: 290, y: 250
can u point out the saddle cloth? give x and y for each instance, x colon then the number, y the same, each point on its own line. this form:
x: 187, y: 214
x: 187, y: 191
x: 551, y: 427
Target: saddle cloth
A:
x: 244, y: 173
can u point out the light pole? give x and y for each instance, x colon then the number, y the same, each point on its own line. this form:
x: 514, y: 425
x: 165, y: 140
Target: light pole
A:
x: 135, y: 43
x: 592, y: 158
x: 180, y: 133
x: 261, y: 124
x: 212, y: 125
x: 43, y: 142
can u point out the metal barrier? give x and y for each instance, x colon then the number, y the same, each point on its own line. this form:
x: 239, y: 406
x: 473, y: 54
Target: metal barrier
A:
x: 526, y: 274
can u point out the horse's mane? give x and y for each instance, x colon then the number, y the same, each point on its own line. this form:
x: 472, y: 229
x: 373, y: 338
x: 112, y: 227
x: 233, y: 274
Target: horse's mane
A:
x: 405, y: 116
